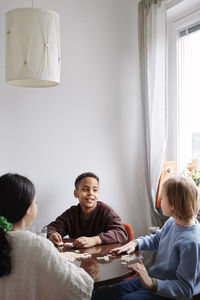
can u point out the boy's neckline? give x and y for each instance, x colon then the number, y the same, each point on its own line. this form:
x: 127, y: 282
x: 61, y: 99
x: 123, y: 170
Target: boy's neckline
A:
x: 87, y: 213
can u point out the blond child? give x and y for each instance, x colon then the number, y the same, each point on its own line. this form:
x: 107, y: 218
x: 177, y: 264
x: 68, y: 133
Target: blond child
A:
x: 176, y: 271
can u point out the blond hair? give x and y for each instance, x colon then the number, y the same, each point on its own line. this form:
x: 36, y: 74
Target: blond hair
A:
x: 182, y: 194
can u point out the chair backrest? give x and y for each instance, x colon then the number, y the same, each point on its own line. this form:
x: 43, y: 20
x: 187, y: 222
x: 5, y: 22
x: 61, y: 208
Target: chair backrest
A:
x: 168, y: 170
x: 129, y: 231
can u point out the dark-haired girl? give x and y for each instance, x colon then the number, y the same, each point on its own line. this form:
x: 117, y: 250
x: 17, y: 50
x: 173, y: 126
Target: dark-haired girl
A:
x: 30, y: 266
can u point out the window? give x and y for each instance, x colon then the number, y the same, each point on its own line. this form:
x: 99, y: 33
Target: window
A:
x: 188, y: 94
x: 183, y: 87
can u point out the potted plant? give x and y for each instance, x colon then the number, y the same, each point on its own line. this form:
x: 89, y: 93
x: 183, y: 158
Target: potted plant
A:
x: 192, y: 171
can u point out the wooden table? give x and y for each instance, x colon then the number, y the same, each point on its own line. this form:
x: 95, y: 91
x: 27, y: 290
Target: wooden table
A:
x: 103, y: 272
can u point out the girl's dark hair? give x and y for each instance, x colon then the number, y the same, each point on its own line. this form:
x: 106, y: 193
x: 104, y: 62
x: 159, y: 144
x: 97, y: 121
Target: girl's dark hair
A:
x: 16, y: 195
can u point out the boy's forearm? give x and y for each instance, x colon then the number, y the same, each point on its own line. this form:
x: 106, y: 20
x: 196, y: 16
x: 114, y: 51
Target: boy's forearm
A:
x: 50, y: 231
x: 97, y: 240
x: 111, y: 236
x: 57, y: 226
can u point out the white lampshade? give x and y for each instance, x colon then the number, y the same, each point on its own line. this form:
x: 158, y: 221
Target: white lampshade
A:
x: 32, y: 47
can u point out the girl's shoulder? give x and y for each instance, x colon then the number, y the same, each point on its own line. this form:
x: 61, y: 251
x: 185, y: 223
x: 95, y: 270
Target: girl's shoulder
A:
x: 28, y: 239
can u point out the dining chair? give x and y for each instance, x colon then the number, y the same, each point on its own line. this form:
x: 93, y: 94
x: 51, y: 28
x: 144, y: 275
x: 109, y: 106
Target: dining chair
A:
x: 129, y: 231
x: 168, y: 170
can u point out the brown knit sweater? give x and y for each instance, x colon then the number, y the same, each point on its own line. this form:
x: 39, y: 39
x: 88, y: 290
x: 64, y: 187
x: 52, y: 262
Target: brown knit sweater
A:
x: 102, y: 221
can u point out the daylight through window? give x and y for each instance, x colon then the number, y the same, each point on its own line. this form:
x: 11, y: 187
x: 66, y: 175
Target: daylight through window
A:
x: 188, y: 53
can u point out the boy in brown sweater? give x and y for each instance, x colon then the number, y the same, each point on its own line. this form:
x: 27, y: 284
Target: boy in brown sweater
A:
x: 91, y: 222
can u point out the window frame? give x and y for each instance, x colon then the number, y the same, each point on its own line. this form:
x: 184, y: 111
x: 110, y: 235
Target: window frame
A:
x: 174, y: 26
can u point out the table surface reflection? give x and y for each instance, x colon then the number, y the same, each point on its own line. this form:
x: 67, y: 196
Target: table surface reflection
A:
x: 103, y: 272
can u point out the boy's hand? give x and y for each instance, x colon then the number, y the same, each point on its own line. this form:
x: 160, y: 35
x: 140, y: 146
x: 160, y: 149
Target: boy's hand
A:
x: 56, y: 238
x: 141, y: 271
x: 86, y: 242
x: 128, y: 248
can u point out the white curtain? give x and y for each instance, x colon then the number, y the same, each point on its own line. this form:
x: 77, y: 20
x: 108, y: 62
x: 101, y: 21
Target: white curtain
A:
x: 152, y: 49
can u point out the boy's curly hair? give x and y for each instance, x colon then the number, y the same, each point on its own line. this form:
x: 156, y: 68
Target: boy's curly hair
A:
x: 84, y: 175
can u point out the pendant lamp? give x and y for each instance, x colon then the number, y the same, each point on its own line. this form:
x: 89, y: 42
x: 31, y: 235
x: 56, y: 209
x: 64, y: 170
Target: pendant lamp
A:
x: 32, y: 48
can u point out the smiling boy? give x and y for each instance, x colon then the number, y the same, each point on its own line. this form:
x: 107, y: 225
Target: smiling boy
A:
x: 91, y: 222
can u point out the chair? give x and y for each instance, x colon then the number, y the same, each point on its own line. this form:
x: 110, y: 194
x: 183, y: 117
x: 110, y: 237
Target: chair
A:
x: 129, y: 231
x: 168, y: 170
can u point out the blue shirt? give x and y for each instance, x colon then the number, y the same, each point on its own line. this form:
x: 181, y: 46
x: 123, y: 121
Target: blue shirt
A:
x: 177, y: 266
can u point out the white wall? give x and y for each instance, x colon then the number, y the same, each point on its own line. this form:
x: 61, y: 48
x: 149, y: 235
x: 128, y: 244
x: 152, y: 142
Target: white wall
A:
x: 91, y: 122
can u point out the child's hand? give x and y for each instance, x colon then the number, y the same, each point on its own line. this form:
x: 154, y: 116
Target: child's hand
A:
x: 86, y: 242
x: 56, y: 238
x: 128, y: 248
x: 141, y: 271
